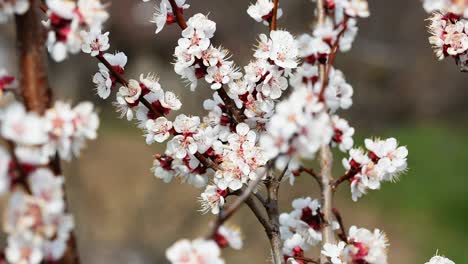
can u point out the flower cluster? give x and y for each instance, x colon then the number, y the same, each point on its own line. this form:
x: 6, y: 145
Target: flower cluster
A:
x: 449, y: 37
x: 66, y: 20
x: 62, y: 129
x: 361, y: 246
x: 384, y: 161
x: 446, y: 6
x: 36, y: 223
x: 9, y: 8
x: 301, y: 228
x: 165, y: 15
x: 196, y: 58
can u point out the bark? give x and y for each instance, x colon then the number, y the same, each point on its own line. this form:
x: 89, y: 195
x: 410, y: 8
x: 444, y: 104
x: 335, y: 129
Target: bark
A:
x: 34, y: 85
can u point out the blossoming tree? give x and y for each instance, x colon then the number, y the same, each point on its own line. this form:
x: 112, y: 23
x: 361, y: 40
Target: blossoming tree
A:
x: 262, y: 126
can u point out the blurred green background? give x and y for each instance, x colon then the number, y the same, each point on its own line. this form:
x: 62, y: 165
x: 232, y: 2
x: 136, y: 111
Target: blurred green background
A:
x: 125, y: 215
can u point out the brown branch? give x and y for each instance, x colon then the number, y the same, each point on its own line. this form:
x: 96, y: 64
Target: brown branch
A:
x: 338, y: 218
x: 272, y: 184
x: 118, y: 77
x: 274, y: 17
x: 260, y: 217
x: 33, y: 79
x: 331, y: 60
x: 207, y: 162
x: 342, y: 179
x: 238, y: 115
x: 312, y: 173
x: 34, y: 85
x: 177, y: 11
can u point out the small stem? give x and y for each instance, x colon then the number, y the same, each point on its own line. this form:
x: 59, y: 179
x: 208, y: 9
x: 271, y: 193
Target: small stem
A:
x: 207, y: 162
x: 176, y: 10
x: 118, y: 77
x: 274, y: 17
x: 238, y: 115
x: 331, y: 60
x: 338, y: 218
x: 342, y: 179
x: 312, y: 173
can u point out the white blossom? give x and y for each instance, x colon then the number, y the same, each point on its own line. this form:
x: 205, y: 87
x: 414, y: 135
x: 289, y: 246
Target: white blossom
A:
x: 196, y: 251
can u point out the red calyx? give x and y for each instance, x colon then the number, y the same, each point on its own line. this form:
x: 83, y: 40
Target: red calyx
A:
x: 222, y: 193
x: 220, y: 240
x: 314, y: 221
x: 374, y: 157
x: 170, y: 19
x: 338, y: 137
x: 165, y: 162
x: 6, y: 80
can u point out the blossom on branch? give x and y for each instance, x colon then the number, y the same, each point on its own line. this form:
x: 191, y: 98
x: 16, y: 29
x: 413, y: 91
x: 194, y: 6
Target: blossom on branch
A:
x: 94, y: 42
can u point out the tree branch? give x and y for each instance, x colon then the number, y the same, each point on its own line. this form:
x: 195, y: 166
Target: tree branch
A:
x: 342, y: 179
x: 312, y: 173
x: 35, y: 88
x: 338, y: 218
x: 326, y: 162
x: 260, y: 217
x: 272, y: 185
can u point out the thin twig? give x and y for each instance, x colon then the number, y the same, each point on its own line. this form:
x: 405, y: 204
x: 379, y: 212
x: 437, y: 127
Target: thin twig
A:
x: 207, y: 162
x: 312, y: 173
x: 331, y: 59
x: 177, y: 11
x: 338, y: 218
x: 232, y: 109
x: 257, y: 212
x: 342, y: 179
x: 274, y: 17
x: 225, y: 214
